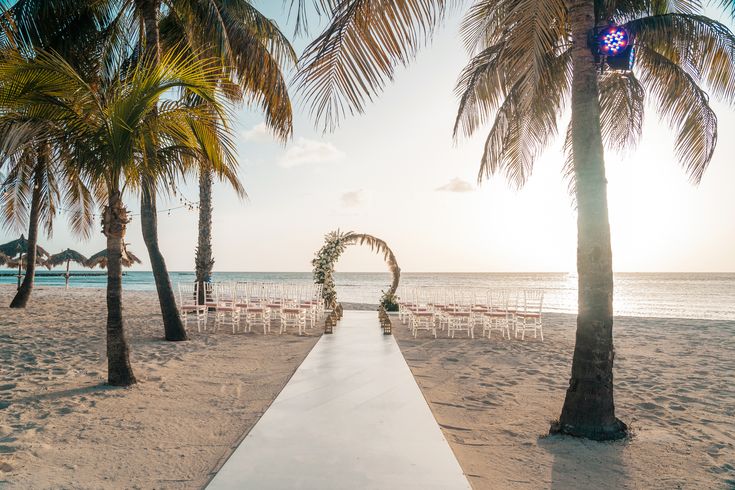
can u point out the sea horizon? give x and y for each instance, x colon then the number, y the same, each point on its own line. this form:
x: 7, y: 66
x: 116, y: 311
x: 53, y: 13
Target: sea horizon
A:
x: 688, y: 295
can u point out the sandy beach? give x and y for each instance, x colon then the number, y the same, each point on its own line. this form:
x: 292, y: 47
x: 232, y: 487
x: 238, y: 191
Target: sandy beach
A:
x: 61, y: 427
x: 675, y: 387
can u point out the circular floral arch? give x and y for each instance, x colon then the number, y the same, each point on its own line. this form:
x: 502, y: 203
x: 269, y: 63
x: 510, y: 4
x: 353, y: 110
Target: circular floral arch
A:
x: 335, y: 243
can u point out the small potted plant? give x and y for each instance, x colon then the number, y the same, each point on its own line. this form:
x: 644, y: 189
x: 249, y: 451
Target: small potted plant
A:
x: 389, y: 302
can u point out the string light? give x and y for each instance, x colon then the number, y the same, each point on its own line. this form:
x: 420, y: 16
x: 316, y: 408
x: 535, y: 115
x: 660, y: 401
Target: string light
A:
x: 188, y: 205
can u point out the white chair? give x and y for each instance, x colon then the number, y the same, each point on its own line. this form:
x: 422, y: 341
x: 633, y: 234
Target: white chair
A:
x: 498, y: 316
x: 188, y: 304
x: 530, y: 316
x: 423, y: 320
x: 256, y: 315
x: 460, y: 321
x: 459, y: 315
x: 226, y: 312
x: 293, y: 316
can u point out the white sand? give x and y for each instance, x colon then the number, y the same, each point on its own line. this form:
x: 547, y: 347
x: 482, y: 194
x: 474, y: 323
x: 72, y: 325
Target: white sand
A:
x: 60, y: 427
x: 674, y: 385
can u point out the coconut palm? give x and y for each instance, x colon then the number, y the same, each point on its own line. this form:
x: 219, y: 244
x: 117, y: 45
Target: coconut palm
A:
x: 531, y: 62
x: 119, y: 135
x: 66, y: 257
x: 38, y: 178
x: 252, y: 51
x: 249, y: 48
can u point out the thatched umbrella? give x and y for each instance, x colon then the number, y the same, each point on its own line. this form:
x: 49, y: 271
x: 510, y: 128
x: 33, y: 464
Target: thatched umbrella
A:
x: 67, y: 256
x: 16, y: 251
x: 4, y: 259
x: 100, y: 259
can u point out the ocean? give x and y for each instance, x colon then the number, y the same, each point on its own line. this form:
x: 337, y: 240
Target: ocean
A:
x: 666, y: 295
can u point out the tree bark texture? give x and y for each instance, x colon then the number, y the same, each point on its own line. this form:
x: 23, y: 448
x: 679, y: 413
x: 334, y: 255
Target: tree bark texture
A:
x: 114, y: 224
x: 589, y: 409
x: 172, y: 324
x: 204, y: 262
x: 24, y: 291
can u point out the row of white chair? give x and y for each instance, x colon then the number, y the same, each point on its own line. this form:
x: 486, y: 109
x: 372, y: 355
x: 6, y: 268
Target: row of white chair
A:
x: 254, y: 304
x: 464, y: 310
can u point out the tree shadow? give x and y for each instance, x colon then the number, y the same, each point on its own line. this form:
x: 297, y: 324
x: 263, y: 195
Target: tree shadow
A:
x: 72, y: 392
x: 580, y: 463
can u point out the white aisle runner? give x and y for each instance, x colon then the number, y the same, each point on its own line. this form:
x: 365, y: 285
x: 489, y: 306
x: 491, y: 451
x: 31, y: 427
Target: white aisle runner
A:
x: 352, y: 417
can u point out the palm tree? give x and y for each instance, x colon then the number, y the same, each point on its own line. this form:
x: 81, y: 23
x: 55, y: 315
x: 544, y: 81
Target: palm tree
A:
x: 119, y: 135
x: 252, y: 51
x: 38, y: 178
x: 531, y: 61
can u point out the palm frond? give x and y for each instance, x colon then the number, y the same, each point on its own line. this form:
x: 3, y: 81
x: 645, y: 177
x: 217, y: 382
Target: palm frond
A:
x: 622, y: 105
x: 349, y: 63
x: 526, y: 121
x: 703, y: 47
x: 685, y: 107
x: 252, y: 52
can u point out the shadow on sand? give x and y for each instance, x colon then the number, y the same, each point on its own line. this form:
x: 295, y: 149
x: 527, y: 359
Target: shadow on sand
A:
x: 579, y: 463
x: 58, y: 395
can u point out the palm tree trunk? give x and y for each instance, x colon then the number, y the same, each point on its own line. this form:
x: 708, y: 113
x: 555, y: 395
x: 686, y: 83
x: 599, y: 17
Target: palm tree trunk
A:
x: 589, y: 409
x: 203, y: 261
x: 115, y: 220
x: 172, y: 325
x: 149, y: 10
x: 24, y: 291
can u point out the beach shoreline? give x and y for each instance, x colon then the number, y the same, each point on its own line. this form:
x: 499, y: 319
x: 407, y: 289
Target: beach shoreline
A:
x: 60, y: 426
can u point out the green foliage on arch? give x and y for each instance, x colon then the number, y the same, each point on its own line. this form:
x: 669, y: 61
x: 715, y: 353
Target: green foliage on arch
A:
x: 335, y: 243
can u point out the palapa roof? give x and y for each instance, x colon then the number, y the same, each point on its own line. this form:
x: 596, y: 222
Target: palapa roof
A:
x: 3, y: 259
x: 15, y: 248
x: 68, y: 254
x: 100, y: 259
x: 21, y: 259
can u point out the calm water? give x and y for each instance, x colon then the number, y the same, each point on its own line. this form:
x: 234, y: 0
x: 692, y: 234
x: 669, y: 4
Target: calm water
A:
x: 673, y: 295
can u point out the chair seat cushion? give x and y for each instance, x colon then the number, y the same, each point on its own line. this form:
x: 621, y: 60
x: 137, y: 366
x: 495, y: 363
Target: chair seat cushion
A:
x: 193, y: 307
x: 528, y: 315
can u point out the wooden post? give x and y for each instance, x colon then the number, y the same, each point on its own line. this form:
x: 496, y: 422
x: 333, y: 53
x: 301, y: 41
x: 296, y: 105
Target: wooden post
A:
x: 20, y: 267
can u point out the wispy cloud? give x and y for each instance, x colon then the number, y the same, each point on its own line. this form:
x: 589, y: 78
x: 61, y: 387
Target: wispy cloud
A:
x: 352, y: 199
x: 308, y: 152
x: 456, y: 185
x: 259, y: 132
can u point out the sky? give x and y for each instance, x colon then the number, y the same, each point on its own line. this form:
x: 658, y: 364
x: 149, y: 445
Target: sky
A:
x: 396, y: 172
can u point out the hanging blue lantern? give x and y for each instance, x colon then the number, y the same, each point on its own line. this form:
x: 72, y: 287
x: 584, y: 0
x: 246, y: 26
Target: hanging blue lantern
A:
x: 613, y: 41
x: 613, y: 47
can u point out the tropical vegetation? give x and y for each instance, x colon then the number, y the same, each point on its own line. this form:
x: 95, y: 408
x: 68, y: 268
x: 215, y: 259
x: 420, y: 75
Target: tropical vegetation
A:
x: 120, y: 136
x: 531, y: 62
x: 40, y: 179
